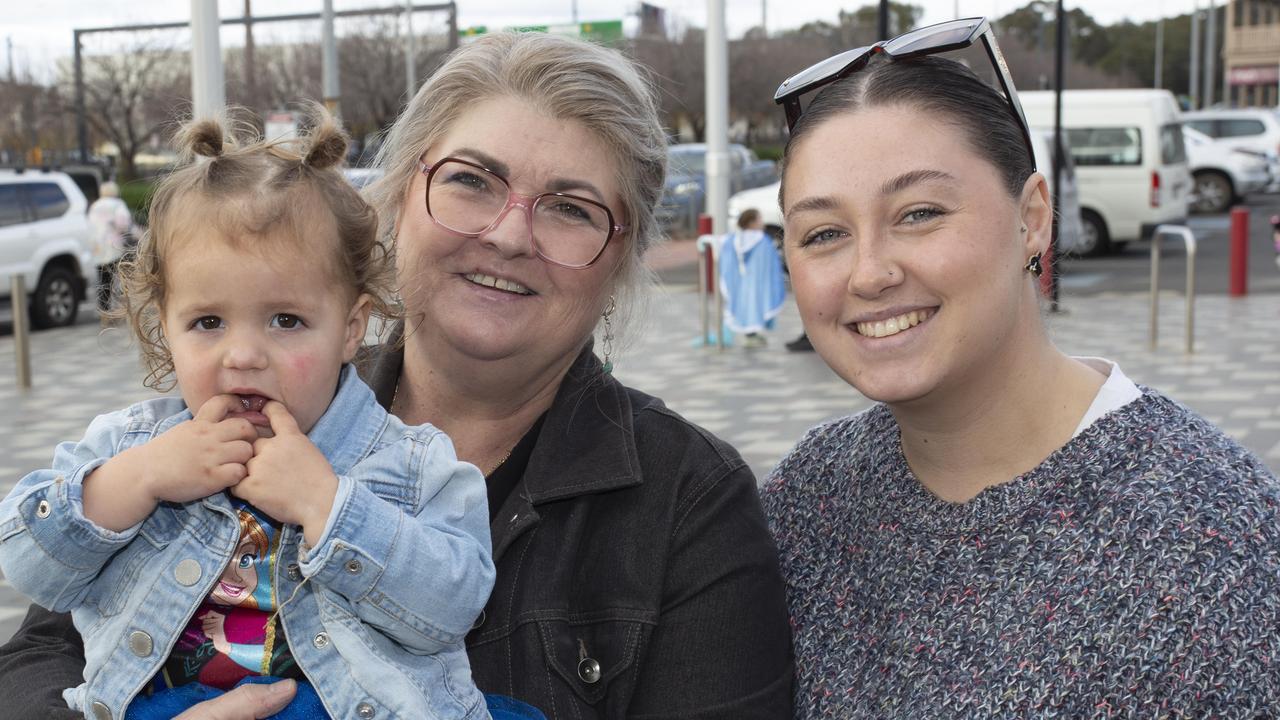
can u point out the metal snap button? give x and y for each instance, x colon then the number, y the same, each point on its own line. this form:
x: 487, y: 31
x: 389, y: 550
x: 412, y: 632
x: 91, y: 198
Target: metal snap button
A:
x: 589, y: 671
x: 140, y: 643
x: 294, y: 572
x: 479, y: 621
x: 321, y: 641
x: 43, y: 508
x: 187, y: 572
x: 101, y: 711
x: 364, y: 711
x: 354, y: 567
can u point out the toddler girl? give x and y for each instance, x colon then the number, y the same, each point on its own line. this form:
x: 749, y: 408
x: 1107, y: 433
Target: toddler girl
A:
x: 274, y: 521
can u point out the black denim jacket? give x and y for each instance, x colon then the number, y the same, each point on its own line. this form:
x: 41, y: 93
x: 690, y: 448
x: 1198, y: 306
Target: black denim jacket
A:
x: 636, y: 574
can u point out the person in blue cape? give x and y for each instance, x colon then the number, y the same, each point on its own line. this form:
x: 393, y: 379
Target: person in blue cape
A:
x: 751, y: 279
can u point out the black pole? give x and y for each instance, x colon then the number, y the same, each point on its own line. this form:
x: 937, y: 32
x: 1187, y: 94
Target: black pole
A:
x: 1059, y: 158
x: 453, y: 26
x: 82, y: 125
x: 882, y: 24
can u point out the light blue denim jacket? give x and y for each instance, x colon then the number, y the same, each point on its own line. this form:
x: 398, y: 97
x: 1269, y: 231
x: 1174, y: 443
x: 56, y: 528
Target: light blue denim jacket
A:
x: 401, y: 571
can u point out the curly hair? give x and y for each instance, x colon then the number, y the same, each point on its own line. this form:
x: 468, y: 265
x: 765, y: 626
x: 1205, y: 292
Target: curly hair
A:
x: 252, y: 193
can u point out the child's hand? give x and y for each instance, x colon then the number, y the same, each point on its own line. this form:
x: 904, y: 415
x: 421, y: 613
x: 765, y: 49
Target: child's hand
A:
x: 201, y: 457
x: 289, y: 478
x: 192, y: 460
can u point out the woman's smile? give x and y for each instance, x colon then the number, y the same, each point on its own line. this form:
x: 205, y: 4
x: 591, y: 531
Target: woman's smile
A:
x: 497, y: 283
x: 894, y: 325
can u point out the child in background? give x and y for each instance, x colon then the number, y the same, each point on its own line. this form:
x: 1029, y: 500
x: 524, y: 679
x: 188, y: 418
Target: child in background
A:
x: 751, y: 279
x: 274, y: 521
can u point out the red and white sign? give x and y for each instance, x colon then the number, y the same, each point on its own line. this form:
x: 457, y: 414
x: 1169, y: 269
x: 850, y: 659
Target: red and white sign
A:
x: 1254, y: 75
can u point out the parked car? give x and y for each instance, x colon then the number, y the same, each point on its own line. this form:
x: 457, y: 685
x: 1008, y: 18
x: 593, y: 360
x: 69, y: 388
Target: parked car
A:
x: 1222, y: 173
x: 1070, y: 230
x: 1131, y: 164
x: 1245, y: 128
x: 44, y: 231
x: 685, y: 194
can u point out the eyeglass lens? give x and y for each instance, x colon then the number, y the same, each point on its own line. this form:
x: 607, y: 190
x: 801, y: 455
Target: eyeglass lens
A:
x: 940, y: 37
x: 566, y: 229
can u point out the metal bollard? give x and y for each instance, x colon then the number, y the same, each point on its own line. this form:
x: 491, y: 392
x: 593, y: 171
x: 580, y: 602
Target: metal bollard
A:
x: 1189, y: 240
x: 21, y: 334
x: 706, y: 282
x: 1239, y: 285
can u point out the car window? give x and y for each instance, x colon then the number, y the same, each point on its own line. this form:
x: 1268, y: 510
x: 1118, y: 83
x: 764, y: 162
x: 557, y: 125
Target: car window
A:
x: 686, y: 162
x: 1205, y: 126
x: 1172, y: 148
x: 48, y: 200
x: 1241, y: 128
x: 1105, y: 146
x: 10, y: 205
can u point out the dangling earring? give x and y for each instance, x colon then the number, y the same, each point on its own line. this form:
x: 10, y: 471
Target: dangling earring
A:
x: 608, y: 335
x: 1033, y: 265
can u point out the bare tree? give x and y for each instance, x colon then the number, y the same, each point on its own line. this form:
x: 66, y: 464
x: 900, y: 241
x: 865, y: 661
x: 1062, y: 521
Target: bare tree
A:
x: 132, y: 95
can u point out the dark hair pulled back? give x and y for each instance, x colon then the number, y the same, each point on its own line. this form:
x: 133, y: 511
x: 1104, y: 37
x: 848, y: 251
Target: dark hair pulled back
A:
x: 942, y: 88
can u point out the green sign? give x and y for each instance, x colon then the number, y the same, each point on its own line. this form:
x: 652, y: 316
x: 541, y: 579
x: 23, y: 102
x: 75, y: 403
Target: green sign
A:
x: 604, y: 31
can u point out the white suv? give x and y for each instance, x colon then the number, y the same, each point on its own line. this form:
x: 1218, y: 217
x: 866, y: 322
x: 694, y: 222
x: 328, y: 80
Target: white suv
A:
x: 44, y: 234
x: 1254, y: 129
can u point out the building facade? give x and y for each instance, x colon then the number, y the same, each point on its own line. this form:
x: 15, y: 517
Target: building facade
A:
x: 1251, y: 53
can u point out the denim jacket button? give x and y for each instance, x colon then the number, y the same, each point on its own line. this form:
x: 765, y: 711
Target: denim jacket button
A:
x: 479, y: 621
x: 43, y: 509
x: 589, y: 671
x: 101, y: 711
x: 354, y: 567
x: 188, y: 572
x: 294, y: 572
x: 321, y: 641
x: 140, y: 643
x: 364, y: 711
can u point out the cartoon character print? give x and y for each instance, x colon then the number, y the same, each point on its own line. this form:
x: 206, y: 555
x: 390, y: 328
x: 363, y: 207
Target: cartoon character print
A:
x: 233, y: 634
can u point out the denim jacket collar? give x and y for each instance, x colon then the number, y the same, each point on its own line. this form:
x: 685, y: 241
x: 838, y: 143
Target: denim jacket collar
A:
x: 347, y: 430
x: 586, y: 445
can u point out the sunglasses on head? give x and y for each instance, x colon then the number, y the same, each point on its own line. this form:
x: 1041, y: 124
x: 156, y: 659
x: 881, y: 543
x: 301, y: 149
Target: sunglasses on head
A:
x: 931, y: 40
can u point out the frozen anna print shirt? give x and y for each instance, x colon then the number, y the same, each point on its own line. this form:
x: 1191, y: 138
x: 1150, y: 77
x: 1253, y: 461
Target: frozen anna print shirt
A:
x: 233, y: 633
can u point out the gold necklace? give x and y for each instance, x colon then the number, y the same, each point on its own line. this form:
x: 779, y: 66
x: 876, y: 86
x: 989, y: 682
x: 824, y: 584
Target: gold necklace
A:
x: 395, y: 393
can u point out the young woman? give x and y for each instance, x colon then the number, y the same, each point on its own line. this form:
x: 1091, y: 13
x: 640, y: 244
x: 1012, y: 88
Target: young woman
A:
x: 1011, y: 532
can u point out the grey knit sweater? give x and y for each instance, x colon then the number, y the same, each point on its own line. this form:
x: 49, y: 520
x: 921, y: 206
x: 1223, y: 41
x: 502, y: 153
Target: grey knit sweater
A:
x: 1135, y: 573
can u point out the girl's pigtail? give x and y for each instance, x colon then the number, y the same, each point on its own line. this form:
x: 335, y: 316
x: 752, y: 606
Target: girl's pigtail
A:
x: 203, y: 138
x: 326, y: 143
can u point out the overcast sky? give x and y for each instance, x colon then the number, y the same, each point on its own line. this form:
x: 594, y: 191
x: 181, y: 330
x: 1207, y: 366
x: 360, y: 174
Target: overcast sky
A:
x: 41, y: 31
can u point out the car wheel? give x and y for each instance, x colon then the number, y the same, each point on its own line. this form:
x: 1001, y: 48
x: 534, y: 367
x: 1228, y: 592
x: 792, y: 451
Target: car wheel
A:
x: 1094, y: 239
x: 1214, y: 193
x: 56, y: 299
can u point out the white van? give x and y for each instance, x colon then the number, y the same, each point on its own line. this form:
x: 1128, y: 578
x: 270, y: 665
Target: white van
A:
x: 1131, y: 165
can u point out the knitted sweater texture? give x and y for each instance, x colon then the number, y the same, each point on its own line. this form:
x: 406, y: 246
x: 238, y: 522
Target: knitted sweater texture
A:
x: 1134, y: 573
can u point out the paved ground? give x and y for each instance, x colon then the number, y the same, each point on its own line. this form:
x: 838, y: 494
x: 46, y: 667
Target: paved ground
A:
x: 761, y: 400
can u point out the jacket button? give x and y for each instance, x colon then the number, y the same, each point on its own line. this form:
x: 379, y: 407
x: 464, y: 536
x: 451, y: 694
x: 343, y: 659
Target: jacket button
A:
x: 294, y: 572
x: 43, y: 508
x: 188, y: 572
x: 364, y: 711
x: 101, y: 711
x: 589, y: 671
x: 321, y: 641
x: 479, y: 621
x: 354, y: 567
x: 140, y: 643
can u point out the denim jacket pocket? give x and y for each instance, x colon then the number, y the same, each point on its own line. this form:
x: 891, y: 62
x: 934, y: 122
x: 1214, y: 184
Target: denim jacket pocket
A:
x: 116, y: 583
x: 589, y: 655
